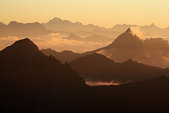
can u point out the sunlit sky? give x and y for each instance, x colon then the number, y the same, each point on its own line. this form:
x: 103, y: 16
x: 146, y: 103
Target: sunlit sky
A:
x: 100, y: 12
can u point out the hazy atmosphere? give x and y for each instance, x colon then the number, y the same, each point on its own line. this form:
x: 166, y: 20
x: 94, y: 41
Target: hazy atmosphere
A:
x: 100, y: 12
x: 82, y: 56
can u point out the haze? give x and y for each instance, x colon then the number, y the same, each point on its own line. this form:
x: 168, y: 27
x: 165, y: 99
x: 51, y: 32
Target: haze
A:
x: 100, y: 12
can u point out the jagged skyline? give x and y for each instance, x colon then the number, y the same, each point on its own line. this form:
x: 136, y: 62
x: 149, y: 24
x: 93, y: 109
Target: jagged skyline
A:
x: 104, y: 13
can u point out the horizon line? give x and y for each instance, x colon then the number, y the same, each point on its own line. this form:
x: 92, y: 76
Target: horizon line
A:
x: 22, y: 22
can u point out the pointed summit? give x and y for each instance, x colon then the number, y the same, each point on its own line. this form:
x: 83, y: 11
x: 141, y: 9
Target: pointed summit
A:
x: 126, y: 46
x: 128, y: 30
x: 22, y: 47
x: 25, y: 43
x: 127, y: 38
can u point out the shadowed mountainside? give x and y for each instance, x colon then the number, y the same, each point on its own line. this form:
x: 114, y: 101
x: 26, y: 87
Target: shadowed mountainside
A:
x: 24, y: 59
x: 33, y: 82
x: 96, y: 67
x: 124, y: 47
x: 153, y: 51
x: 129, y: 46
x: 28, y: 77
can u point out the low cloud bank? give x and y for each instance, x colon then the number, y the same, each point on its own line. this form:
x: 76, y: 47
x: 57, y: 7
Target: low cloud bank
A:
x: 55, y: 41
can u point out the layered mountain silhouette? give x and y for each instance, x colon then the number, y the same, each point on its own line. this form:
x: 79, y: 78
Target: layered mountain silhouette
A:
x: 153, y: 51
x: 66, y: 27
x: 129, y: 46
x: 126, y: 46
x: 33, y: 82
x: 64, y: 56
x: 96, y: 67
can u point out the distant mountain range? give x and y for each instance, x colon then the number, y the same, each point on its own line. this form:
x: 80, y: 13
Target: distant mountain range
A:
x: 58, y: 24
x: 148, y: 31
x: 23, y: 30
x: 153, y: 51
x: 66, y: 27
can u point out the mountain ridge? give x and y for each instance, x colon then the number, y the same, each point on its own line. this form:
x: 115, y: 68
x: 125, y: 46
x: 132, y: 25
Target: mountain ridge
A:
x: 96, y: 67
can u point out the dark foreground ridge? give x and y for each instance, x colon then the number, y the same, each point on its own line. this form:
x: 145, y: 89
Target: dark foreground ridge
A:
x: 31, y: 82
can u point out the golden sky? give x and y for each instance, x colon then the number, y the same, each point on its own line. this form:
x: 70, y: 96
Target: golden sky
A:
x: 100, y: 12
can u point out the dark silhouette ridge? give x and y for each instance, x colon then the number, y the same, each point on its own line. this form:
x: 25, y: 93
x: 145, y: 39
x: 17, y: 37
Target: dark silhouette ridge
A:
x: 25, y: 51
x: 96, y: 67
x: 126, y: 46
x: 153, y: 51
x: 25, y: 44
x: 33, y: 82
x: 29, y: 77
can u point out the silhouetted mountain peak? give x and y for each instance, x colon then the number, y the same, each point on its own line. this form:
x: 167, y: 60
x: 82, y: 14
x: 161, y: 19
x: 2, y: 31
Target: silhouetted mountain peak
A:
x: 129, y: 30
x: 127, y: 38
x: 22, y: 47
x: 129, y: 34
x: 27, y: 43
